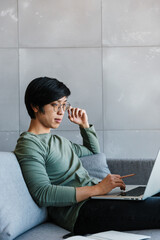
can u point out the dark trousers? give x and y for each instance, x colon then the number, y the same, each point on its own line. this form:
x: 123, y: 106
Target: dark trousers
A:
x: 103, y: 215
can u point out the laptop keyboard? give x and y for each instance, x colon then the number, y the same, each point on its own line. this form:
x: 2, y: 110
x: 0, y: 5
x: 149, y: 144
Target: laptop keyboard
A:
x: 134, y: 192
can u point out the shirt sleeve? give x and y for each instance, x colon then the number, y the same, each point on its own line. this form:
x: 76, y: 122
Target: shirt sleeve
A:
x: 32, y: 162
x: 90, y: 142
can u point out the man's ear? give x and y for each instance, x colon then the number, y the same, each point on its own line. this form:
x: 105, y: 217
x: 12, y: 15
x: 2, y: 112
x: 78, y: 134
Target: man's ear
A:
x: 35, y: 108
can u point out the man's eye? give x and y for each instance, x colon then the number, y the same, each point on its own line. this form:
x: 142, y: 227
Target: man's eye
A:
x: 54, y: 104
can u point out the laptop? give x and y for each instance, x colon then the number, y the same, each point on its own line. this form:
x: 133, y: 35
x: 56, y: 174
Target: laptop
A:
x: 138, y: 192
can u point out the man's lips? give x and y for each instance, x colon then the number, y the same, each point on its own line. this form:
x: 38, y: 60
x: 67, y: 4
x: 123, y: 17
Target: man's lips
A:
x: 58, y: 120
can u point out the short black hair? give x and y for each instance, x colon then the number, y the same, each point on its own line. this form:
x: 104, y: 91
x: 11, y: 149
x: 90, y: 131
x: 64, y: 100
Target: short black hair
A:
x: 42, y: 91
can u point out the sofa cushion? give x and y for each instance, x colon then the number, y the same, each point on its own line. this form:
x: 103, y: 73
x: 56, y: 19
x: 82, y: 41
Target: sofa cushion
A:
x: 96, y: 165
x: 18, y: 211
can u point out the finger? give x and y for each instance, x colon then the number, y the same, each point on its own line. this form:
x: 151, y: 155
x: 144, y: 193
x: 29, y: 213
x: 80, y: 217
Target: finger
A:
x: 80, y: 113
x: 69, y: 112
x: 117, y: 175
x: 117, y: 180
x: 72, y: 112
x: 122, y: 186
x: 76, y: 112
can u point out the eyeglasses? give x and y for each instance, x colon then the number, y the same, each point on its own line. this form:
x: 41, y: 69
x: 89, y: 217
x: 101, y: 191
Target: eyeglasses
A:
x: 58, y: 106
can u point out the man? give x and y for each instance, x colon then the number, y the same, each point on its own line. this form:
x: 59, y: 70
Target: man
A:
x: 55, y: 176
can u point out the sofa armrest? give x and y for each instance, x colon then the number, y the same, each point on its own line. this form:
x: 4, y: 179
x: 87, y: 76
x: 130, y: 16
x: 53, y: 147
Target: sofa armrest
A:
x: 142, y: 168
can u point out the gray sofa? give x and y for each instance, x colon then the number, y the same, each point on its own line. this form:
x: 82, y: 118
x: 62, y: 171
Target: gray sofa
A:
x: 22, y: 219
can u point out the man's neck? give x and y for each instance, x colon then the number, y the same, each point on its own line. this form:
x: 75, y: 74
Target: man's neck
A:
x: 37, y: 128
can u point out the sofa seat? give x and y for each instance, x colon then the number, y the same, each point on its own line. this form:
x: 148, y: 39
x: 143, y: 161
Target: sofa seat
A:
x: 50, y: 231
x: 45, y: 231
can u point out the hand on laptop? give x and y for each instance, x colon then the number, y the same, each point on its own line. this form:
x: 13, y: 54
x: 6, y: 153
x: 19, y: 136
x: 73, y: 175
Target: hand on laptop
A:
x: 103, y: 187
x: 110, y: 182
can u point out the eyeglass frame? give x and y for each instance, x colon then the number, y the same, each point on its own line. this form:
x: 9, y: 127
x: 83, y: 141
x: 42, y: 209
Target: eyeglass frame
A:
x: 61, y: 106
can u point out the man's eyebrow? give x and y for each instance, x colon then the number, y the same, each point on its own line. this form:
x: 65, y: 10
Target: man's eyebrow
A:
x: 62, y: 100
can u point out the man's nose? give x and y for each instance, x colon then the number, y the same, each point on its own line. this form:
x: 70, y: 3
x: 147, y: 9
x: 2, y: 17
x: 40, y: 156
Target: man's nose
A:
x: 60, y: 110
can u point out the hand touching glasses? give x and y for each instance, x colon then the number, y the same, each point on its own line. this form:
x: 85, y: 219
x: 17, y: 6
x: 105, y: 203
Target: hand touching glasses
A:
x: 78, y: 116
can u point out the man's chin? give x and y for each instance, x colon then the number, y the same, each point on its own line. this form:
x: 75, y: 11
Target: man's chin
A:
x: 55, y: 125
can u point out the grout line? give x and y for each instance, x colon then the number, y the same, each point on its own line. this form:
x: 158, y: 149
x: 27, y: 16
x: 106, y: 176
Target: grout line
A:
x: 1, y: 48
x: 147, y: 46
x: 18, y: 60
x: 102, y: 77
x: 58, y: 47
x: 77, y: 47
x: 80, y: 47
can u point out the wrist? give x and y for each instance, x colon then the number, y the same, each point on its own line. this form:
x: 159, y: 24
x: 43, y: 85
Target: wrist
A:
x: 83, y: 193
x: 85, y: 125
x: 96, y: 190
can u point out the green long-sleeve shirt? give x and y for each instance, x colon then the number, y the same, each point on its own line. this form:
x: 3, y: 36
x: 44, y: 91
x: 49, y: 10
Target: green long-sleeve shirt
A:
x: 52, y: 170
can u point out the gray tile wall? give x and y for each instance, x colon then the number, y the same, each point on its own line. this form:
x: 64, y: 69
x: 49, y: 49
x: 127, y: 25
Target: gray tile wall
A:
x: 106, y: 51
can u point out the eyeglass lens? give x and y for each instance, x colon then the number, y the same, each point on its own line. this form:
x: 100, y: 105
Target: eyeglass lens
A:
x: 65, y: 107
